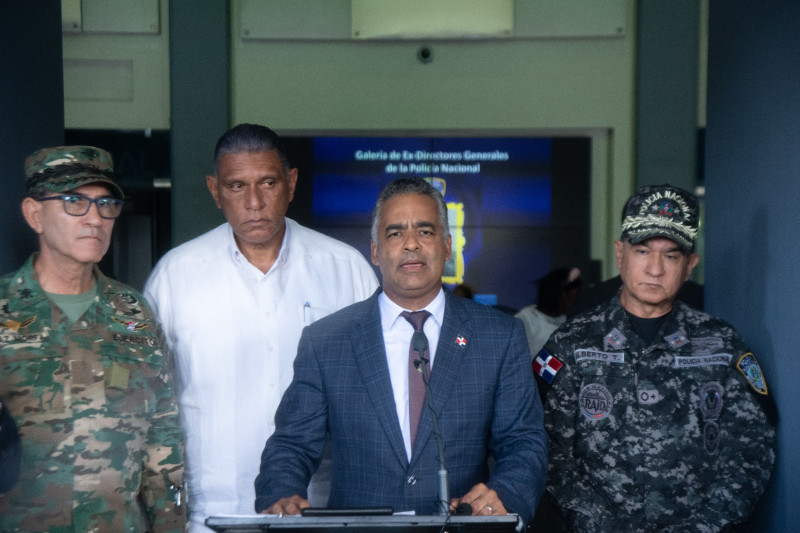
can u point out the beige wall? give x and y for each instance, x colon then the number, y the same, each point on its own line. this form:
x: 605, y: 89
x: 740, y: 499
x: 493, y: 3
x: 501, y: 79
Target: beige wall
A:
x: 567, y: 85
x: 116, y: 64
x: 567, y: 68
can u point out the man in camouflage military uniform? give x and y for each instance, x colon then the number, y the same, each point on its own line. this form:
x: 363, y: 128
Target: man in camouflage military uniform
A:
x: 82, y: 368
x: 659, y: 415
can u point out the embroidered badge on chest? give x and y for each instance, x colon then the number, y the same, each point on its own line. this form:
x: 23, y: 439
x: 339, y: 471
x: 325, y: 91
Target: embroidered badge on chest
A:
x: 595, y: 401
x: 677, y: 339
x: 711, y: 437
x: 648, y: 396
x: 711, y: 400
x: 130, y: 325
x: 706, y: 345
x: 614, y: 340
x: 711, y: 406
x: 15, y: 326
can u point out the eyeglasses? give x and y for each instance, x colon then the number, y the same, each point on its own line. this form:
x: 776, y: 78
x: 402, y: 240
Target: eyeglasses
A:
x: 78, y: 205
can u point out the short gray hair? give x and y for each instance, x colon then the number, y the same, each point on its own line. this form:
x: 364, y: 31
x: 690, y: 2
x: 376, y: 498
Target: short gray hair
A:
x: 410, y: 186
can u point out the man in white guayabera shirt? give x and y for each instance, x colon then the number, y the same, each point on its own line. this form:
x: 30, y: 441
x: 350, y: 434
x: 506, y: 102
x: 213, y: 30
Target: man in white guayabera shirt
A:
x: 233, y: 303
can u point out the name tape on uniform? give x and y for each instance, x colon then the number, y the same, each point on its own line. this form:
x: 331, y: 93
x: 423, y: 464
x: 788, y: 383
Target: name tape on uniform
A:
x: 595, y: 355
x: 688, y: 361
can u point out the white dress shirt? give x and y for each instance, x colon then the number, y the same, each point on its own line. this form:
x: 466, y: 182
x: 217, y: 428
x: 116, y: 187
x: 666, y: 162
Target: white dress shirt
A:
x: 397, y: 333
x: 233, y: 331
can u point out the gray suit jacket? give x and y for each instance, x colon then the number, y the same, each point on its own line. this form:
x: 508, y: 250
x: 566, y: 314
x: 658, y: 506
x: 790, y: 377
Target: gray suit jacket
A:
x: 483, y: 389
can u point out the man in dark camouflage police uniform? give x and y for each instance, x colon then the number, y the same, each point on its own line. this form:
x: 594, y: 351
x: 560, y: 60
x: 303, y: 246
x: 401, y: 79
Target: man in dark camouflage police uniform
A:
x: 659, y: 415
x: 82, y: 368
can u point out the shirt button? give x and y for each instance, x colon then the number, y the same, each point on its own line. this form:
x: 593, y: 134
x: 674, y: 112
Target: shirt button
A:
x: 412, y: 480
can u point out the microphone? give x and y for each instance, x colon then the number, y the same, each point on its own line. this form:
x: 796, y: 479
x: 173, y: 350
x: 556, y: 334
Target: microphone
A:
x: 420, y: 343
x: 463, y: 509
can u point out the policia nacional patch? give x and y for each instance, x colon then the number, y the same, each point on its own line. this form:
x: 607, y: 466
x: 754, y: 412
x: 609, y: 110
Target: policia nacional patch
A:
x: 751, y: 371
x: 748, y: 366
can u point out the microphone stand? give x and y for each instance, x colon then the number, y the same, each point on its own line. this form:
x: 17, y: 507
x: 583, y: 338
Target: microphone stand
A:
x: 420, y: 343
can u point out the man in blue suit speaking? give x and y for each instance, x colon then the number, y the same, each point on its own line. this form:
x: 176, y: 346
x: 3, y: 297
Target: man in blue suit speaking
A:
x: 356, y: 382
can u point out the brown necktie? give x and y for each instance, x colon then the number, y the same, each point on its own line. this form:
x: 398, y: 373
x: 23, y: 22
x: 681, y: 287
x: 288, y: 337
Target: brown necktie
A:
x: 416, y: 386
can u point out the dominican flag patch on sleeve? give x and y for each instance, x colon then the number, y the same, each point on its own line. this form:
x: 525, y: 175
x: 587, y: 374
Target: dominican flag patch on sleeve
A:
x: 546, y: 366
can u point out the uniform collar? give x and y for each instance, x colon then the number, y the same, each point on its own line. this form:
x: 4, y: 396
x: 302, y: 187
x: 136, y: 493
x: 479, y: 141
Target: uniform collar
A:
x: 669, y: 336
x: 25, y: 290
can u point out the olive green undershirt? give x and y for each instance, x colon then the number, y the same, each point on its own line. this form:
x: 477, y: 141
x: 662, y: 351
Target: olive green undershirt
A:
x: 74, y: 305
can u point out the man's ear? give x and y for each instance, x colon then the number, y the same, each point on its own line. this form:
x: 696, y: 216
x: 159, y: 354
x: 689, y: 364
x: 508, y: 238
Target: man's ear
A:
x: 292, y: 181
x: 618, y: 247
x: 690, y: 264
x: 374, y: 253
x: 32, y: 211
x: 211, y: 183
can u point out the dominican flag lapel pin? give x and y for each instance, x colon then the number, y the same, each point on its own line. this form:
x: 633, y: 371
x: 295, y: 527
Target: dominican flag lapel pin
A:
x: 461, y: 341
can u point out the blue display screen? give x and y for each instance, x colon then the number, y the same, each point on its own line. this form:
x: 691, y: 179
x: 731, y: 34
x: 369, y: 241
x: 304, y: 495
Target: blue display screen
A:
x: 499, y: 191
x: 503, y: 181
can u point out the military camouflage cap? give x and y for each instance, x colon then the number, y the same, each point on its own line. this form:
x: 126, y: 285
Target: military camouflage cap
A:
x: 65, y: 168
x: 661, y: 211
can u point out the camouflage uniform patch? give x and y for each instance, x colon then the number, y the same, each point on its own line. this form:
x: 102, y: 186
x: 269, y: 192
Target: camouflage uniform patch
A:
x: 97, y: 415
x: 664, y: 452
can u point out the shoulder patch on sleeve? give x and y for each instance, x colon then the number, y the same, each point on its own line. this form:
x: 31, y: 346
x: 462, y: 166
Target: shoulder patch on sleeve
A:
x: 748, y: 366
x: 546, y: 366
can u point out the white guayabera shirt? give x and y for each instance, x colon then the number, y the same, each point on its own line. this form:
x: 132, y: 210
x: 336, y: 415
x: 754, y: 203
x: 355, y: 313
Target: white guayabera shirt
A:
x: 234, y: 331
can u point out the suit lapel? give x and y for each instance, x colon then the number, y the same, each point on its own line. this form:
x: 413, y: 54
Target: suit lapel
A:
x: 370, y: 355
x: 446, y: 366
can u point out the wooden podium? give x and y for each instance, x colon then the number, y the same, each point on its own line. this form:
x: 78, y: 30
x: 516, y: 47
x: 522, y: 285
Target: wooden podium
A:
x: 363, y: 524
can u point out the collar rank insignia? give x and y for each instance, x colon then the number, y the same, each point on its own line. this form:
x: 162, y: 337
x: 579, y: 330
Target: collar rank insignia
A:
x: 16, y: 326
x: 614, y: 339
x: 130, y: 325
x: 546, y: 366
x: 677, y: 339
x: 461, y: 341
x: 748, y: 366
